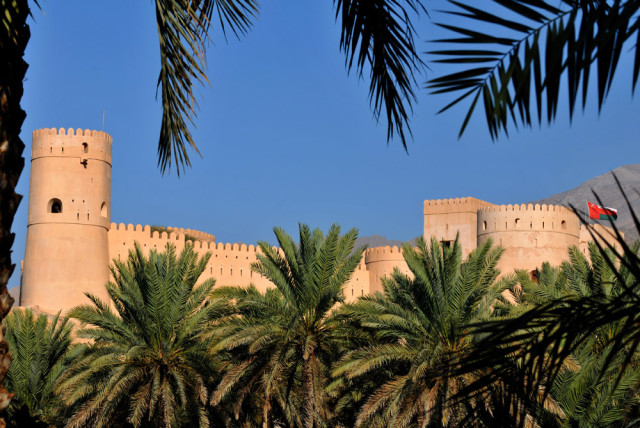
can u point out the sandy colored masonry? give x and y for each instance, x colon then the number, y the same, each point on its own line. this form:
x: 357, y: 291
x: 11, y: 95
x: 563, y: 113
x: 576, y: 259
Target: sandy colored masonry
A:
x: 71, y: 240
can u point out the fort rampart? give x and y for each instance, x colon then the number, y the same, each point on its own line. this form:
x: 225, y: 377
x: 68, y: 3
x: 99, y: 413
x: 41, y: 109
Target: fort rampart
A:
x: 71, y: 240
x: 230, y: 264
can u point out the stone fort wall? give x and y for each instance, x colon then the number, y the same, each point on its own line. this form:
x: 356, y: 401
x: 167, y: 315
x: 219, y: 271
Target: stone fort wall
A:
x: 229, y: 264
x: 71, y: 241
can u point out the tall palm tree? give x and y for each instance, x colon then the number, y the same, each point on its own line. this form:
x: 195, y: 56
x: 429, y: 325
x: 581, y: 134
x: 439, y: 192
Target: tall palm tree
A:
x: 14, y: 35
x: 513, y: 55
x: 419, y: 326
x: 147, y: 363
x: 281, y: 343
x: 42, y: 351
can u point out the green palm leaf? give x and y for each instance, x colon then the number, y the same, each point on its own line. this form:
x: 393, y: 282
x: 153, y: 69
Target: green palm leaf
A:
x: 278, y: 346
x: 149, y: 361
x: 41, y: 352
x: 416, y: 331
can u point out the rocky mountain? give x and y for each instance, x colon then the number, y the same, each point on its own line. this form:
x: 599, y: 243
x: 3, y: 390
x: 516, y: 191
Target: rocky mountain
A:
x: 377, y: 241
x: 607, y: 190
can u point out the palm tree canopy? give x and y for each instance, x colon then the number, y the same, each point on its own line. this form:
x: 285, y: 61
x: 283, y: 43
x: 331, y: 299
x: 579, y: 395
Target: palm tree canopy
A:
x: 591, y: 395
x: 147, y: 362
x: 513, y: 56
x: 419, y: 328
x: 601, y: 315
x: 280, y: 344
x: 41, y: 352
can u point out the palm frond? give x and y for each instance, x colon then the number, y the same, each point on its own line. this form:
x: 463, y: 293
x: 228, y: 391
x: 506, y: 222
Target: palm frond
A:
x: 183, y: 27
x: 379, y: 35
x: 514, y: 54
x: 151, y: 360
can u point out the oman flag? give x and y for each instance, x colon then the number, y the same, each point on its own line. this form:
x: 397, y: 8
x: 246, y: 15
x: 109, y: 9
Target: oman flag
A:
x: 602, y: 213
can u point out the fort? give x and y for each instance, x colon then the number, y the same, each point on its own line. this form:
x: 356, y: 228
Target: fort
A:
x: 71, y: 240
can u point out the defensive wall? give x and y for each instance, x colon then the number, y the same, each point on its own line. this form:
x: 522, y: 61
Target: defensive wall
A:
x: 603, y: 235
x: 229, y: 264
x: 71, y: 240
x: 200, y: 236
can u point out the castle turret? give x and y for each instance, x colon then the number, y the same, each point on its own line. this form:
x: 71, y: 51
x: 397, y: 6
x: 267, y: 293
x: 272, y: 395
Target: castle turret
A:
x: 445, y: 218
x: 530, y: 234
x: 67, y: 250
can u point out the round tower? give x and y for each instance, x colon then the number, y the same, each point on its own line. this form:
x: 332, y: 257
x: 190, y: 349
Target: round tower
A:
x: 67, y: 249
x: 380, y: 262
x: 530, y: 234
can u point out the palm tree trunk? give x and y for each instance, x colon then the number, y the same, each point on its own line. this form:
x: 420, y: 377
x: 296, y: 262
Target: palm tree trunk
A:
x: 308, y: 393
x: 14, y: 35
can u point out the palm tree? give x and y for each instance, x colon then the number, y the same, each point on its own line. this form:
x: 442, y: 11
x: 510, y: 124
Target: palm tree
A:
x: 280, y: 344
x: 419, y: 327
x: 148, y: 362
x: 513, y: 55
x: 42, y: 351
x: 14, y: 35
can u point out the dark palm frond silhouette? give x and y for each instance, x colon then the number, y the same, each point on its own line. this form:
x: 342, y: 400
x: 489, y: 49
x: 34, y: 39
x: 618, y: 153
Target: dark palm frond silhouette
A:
x: 514, y: 56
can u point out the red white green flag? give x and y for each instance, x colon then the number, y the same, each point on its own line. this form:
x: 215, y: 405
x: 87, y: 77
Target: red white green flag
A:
x: 602, y: 213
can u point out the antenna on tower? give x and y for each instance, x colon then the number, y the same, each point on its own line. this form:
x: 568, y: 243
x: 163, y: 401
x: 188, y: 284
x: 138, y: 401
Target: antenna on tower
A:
x: 103, y: 120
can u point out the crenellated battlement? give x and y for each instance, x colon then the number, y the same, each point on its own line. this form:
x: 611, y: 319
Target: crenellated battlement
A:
x: 383, y: 250
x: 82, y: 144
x: 445, y: 206
x: 382, y: 254
x: 521, y: 218
x: 70, y: 132
x: 527, y: 207
x: 201, y: 236
x: 127, y: 234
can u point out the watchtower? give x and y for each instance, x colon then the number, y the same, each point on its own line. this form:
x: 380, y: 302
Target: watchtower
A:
x: 67, y: 249
x: 445, y: 218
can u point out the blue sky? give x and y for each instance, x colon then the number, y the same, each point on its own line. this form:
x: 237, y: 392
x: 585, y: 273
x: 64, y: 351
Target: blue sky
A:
x: 286, y: 135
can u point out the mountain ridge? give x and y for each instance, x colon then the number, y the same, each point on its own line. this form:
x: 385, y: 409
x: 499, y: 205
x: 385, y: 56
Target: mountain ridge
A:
x: 608, y: 194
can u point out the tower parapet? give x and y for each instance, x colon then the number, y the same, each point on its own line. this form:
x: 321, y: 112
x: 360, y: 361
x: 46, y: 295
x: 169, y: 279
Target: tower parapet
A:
x: 530, y: 234
x: 83, y: 144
